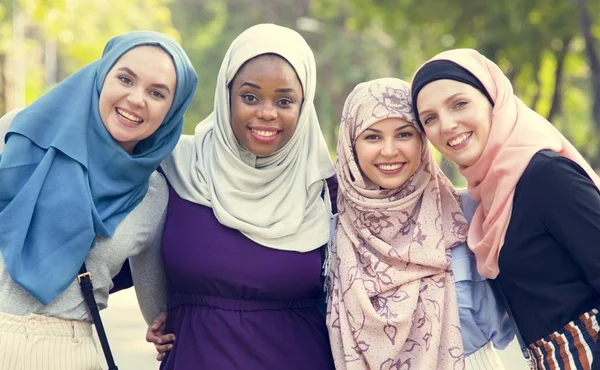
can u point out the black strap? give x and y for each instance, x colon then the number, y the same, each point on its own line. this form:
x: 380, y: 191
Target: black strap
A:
x: 500, y: 294
x: 85, y: 282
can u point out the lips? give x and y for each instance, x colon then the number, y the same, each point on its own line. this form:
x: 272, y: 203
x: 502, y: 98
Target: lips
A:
x: 129, y: 116
x: 459, y: 139
x: 265, y: 135
x: 390, y: 168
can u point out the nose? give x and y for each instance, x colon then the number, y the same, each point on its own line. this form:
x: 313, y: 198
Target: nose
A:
x: 267, y: 112
x: 448, y: 123
x: 136, y: 97
x: 389, y: 149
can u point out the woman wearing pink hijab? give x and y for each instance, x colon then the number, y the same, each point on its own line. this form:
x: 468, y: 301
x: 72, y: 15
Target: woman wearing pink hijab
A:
x: 537, y: 227
x: 398, y: 248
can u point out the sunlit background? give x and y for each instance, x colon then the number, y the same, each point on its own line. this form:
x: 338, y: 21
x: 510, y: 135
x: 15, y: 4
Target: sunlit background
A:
x: 548, y: 48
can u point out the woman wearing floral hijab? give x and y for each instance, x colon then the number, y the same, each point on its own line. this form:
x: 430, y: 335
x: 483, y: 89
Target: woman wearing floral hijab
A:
x: 392, y: 297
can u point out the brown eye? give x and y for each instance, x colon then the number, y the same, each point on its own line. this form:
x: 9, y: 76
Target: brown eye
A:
x: 428, y: 120
x: 126, y: 80
x: 157, y: 94
x: 249, y: 98
x: 285, y: 102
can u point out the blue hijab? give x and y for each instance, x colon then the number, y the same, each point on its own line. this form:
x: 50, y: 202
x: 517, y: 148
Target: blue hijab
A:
x: 64, y: 179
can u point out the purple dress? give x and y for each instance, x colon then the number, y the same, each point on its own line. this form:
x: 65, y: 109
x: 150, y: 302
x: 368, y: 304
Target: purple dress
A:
x: 234, y: 304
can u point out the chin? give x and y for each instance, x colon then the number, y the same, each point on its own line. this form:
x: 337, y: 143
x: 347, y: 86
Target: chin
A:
x: 469, y: 160
x: 388, y: 186
x: 261, y: 153
x: 264, y: 150
x: 462, y: 160
x: 121, y: 138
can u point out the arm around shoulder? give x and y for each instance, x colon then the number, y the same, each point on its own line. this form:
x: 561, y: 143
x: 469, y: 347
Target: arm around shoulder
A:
x: 147, y: 267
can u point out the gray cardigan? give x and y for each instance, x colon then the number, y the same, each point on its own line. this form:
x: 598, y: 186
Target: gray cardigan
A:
x: 138, y: 237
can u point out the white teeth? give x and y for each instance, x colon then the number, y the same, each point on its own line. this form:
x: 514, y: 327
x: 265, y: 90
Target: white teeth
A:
x: 264, y: 133
x: 460, y: 139
x: 390, y: 167
x: 129, y: 117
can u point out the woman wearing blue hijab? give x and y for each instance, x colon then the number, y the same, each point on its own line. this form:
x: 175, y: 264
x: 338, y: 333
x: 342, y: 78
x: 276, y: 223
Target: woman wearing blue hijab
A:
x: 78, y: 184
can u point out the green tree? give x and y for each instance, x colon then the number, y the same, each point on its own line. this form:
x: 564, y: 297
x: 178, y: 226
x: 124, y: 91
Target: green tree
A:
x: 537, y: 43
x: 42, y: 42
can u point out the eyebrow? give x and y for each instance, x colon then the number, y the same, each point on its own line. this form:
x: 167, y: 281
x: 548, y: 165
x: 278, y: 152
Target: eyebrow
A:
x: 255, y: 86
x: 157, y: 85
x: 398, y: 129
x: 445, y: 101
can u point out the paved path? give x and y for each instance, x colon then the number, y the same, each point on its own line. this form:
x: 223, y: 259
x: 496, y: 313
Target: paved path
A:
x: 126, y: 331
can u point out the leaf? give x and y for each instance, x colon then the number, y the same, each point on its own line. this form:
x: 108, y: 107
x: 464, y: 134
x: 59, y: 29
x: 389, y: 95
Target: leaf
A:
x: 361, y: 347
x: 391, y: 332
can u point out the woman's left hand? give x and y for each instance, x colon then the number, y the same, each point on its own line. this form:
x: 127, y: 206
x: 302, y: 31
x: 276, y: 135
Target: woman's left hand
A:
x: 156, y: 334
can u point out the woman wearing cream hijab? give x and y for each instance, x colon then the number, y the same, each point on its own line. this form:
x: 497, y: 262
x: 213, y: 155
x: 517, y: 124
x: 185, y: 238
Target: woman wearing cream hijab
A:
x: 248, y: 214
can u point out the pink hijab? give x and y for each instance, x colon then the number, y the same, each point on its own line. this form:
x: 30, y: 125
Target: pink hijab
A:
x: 392, y: 300
x: 517, y: 133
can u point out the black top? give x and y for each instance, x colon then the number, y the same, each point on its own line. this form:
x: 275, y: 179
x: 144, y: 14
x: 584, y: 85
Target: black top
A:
x: 550, y: 261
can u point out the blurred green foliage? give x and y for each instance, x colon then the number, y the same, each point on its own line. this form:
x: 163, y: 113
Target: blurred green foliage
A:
x: 542, y: 45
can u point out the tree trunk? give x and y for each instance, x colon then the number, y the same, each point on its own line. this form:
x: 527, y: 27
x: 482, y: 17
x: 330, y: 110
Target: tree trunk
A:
x: 590, y: 46
x: 557, y: 95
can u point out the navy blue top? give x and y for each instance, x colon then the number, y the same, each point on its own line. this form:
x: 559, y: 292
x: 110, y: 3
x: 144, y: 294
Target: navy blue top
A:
x: 550, y: 261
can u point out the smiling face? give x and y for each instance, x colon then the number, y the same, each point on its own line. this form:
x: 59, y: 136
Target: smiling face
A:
x: 137, y: 94
x: 457, y: 119
x: 389, y: 152
x: 266, y: 97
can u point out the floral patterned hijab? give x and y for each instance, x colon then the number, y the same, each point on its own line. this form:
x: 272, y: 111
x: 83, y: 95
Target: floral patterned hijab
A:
x: 392, y: 301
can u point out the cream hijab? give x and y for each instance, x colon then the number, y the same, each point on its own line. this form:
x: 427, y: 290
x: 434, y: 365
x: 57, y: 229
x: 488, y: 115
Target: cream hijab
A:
x: 392, y: 299
x: 275, y: 200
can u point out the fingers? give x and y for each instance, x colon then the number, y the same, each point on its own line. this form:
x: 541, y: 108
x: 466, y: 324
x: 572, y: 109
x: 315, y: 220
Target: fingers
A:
x: 151, y: 336
x: 160, y: 321
x: 157, y: 328
x: 163, y: 348
x: 156, y: 334
x: 164, y: 339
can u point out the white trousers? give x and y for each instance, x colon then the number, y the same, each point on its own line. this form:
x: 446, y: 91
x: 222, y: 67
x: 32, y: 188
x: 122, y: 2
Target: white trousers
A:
x: 485, y: 358
x: 46, y: 343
